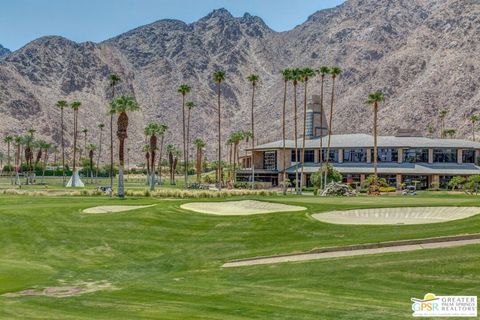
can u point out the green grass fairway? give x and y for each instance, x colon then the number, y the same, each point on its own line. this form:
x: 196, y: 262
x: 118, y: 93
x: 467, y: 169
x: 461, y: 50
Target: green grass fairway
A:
x: 165, y: 262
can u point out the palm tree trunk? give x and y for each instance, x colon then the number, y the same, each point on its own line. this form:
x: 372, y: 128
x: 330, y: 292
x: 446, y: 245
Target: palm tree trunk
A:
x: 185, y: 174
x: 188, y: 139
x: 473, y: 131
x: 295, y: 133
x: 99, y: 153
x: 375, y: 147
x: 321, y: 130
x: 253, y: 137
x: 327, y: 160
x: 121, y: 154
x: 220, y: 178
x: 284, y: 138
x: 74, y: 148
x: 45, y: 157
x: 63, y: 149
x: 302, y: 160
x: 111, y: 155
x: 160, y: 161
x: 198, y: 163
x: 234, y: 161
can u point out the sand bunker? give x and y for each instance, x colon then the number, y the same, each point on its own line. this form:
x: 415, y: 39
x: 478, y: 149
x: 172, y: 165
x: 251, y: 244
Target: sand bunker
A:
x: 419, y: 215
x: 239, y: 208
x: 64, y: 291
x: 112, y: 209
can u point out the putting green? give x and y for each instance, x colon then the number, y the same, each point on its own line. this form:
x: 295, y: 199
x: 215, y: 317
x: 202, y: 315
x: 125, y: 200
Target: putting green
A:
x: 112, y: 209
x: 239, y: 208
x: 413, y: 215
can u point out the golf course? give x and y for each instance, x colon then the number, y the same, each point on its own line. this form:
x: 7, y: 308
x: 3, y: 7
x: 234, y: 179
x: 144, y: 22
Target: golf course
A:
x: 161, y: 260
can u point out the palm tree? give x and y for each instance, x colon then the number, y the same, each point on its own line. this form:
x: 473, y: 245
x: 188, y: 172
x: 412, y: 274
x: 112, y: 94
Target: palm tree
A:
x: 62, y: 104
x: 8, y: 140
x: 334, y: 71
x: 441, y: 115
x: 173, y: 154
x: 199, y: 144
x: 295, y: 77
x: 46, y: 147
x: 305, y: 75
x: 75, y: 106
x: 253, y: 79
x: 219, y: 77
x: 235, y: 139
x: 113, y: 81
x: 121, y: 106
x: 151, y: 130
x: 85, y: 132
x: 18, y: 158
x: 183, y: 90
x: 473, y: 119
x: 323, y: 71
x: 163, y: 129
x: 146, y: 150
x: 287, y: 75
x: 190, y: 105
x: 91, y: 149
x: 100, y: 126
x: 450, y: 133
x: 28, y: 142
x: 374, y: 99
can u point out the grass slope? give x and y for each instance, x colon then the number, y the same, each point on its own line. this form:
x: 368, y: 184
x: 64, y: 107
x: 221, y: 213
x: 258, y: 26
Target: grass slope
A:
x: 166, y: 261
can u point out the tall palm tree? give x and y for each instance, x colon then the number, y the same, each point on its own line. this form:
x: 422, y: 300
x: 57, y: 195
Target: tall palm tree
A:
x: 183, y: 90
x: 199, y: 144
x: 100, y: 126
x: 121, y: 106
x: 8, y: 140
x: 75, y: 106
x: 441, y: 115
x: 473, y: 119
x: 163, y: 130
x: 85, y: 132
x: 323, y: 71
x: 219, y: 77
x: 146, y: 150
x: 287, y: 75
x: 305, y: 75
x: 113, y: 80
x: 295, y: 77
x: 28, y: 143
x: 374, y: 99
x: 151, y: 130
x: 190, y: 105
x: 18, y: 158
x: 62, y: 104
x: 253, y: 79
x: 334, y: 72
x: 91, y: 149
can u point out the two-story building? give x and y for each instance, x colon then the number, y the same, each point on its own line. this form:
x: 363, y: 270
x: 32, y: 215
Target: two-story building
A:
x: 405, y: 157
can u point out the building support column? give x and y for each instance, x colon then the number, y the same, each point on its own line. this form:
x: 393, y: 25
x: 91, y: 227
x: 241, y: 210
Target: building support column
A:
x: 430, y: 156
x: 435, y: 181
x: 399, y: 181
x: 340, y: 155
x: 459, y: 156
x: 362, y: 179
x: 369, y: 155
x: 477, y: 157
x: 400, y: 155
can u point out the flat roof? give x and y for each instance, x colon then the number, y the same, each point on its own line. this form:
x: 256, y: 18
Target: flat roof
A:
x: 360, y: 140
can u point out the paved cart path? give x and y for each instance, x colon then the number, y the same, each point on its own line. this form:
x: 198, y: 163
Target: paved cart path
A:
x: 340, y: 252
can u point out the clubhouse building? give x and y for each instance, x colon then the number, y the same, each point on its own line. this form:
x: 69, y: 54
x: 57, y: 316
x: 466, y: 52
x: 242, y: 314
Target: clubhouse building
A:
x: 404, y: 158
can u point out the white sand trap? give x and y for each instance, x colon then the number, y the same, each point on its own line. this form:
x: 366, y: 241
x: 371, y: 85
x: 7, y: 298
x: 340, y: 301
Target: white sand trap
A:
x: 418, y: 215
x: 64, y: 291
x: 239, y: 208
x: 112, y: 209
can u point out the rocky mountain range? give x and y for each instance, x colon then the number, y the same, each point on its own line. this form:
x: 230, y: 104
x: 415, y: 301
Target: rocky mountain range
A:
x: 3, y: 51
x: 422, y: 53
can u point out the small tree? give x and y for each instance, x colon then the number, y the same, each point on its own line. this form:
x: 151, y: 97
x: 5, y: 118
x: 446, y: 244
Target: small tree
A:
x: 456, y: 182
x: 333, y: 175
x: 472, y: 184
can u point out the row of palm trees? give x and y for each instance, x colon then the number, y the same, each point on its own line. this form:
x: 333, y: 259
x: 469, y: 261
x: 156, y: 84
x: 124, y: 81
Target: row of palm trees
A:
x: 448, y: 132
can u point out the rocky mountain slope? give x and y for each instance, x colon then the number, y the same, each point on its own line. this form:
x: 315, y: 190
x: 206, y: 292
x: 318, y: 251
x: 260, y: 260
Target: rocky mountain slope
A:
x: 421, y: 53
x: 3, y: 51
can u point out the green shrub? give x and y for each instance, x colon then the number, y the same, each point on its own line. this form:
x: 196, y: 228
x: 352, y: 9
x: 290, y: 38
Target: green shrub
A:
x: 387, y: 189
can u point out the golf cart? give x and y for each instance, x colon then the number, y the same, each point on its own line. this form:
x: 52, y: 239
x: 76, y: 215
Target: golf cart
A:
x: 410, y: 191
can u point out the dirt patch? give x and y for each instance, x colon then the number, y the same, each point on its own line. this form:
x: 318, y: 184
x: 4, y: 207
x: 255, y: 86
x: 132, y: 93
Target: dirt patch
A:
x: 239, y: 208
x: 64, y: 291
x: 114, y: 209
x: 410, y: 215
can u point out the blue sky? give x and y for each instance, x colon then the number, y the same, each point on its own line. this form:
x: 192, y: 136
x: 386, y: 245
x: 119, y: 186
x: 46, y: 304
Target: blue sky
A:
x: 22, y: 21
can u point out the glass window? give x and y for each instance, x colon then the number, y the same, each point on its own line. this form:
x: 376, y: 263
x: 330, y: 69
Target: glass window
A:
x: 468, y: 156
x: 309, y: 156
x: 333, y: 155
x: 386, y: 155
x: 354, y: 155
x: 270, y: 160
x: 293, y: 158
x: 415, y: 155
x: 444, y: 155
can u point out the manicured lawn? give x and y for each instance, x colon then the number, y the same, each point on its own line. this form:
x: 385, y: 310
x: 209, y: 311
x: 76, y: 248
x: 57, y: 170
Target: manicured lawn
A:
x: 165, y: 261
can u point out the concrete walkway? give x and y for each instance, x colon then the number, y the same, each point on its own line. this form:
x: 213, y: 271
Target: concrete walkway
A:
x: 350, y: 251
